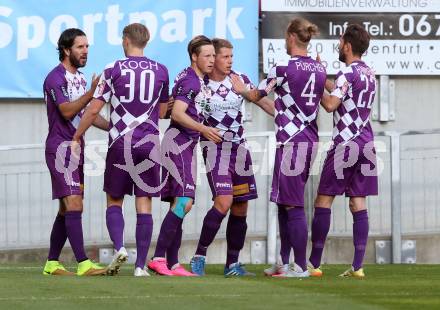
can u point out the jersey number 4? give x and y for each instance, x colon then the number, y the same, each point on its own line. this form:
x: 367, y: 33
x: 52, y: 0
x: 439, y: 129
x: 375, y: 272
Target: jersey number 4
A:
x: 144, y: 95
x: 306, y: 93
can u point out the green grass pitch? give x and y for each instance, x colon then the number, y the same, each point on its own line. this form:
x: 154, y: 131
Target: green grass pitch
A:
x: 385, y: 287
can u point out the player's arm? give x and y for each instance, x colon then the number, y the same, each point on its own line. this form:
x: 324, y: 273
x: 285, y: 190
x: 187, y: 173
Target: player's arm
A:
x: 240, y: 87
x: 243, y: 84
x: 267, y: 105
x: 330, y: 102
x: 329, y: 85
x: 178, y: 114
x: 338, y: 90
x: 166, y: 101
x: 101, y: 123
x: 166, y: 108
x: 90, y: 115
x: 253, y: 95
x: 69, y: 109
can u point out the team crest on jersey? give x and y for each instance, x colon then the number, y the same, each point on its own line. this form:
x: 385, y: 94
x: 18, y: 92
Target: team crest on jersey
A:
x: 344, y: 87
x: 222, y: 90
x: 101, y: 86
x: 206, y: 91
x: 76, y: 82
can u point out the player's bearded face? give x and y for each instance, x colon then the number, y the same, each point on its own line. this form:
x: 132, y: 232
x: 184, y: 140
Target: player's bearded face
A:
x: 78, y: 52
x: 205, y: 59
x: 342, y: 56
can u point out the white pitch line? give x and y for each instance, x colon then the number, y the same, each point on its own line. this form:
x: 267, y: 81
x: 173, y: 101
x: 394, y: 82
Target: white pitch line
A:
x: 107, y: 297
x: 33, y: 298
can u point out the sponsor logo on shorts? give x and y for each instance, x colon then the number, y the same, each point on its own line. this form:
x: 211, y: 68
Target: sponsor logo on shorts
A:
x: 223, y: 185
x: 189, y: 186
x: 252, y: 187
x: 75, y: 184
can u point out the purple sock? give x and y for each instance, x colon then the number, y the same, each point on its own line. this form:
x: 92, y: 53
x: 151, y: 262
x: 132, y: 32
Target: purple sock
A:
x: 58, y: 238
x: 284, y: 236
x: 235, y: 236
x: 115, y: 226
x: 320, y: 228
x: 168, y: 230
x: 297, y: 229
x: 211, y: 225
x: 173, y: 249
x: 75, y: 234
x: 144, y: 230
x: 360, y: 237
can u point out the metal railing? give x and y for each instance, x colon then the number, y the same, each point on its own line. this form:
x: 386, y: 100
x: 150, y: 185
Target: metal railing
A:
x: 408, y: 200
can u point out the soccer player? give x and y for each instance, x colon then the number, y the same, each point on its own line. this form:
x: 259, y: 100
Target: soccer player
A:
x: 179, y: 158
x: 228, y: 164
x: 299, y: 85
x: 350, y: 164
x: 137, y: 88
x: 66, y: 94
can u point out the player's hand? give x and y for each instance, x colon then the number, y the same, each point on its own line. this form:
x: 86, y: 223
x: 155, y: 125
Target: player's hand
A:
x: 237, y: 84
x: 212, y: 134
x: 75, y: 149
x: 170, y: 104
x: 318, y: 58
x: 95, y: 80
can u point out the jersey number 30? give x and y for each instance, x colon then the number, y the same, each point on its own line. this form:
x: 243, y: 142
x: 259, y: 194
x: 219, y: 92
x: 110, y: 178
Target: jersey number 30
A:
x: 144, y: 96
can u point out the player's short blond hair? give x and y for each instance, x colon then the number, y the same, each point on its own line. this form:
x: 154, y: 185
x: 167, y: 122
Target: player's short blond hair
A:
x: 221, y: 43
x: 137, y: 33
